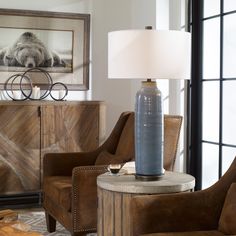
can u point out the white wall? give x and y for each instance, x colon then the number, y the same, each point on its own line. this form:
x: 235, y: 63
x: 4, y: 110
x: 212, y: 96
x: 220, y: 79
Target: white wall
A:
x: 106, y: 15
x: 109, y: 15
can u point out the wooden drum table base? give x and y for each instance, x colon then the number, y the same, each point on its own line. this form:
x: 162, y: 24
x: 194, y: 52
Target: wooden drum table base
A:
x: 115, y: 194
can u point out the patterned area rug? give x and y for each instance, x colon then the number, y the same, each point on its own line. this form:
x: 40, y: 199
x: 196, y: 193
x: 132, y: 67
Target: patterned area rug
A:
x: 36, y: 219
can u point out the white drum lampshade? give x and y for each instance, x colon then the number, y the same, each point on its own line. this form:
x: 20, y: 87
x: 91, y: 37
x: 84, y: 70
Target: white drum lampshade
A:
x: 145, y: 54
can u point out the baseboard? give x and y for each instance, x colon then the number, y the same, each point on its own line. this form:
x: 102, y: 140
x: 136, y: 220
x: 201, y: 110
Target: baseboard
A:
x: 21, y: 200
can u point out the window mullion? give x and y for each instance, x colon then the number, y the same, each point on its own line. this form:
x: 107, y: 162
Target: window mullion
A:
x: 221, y: 85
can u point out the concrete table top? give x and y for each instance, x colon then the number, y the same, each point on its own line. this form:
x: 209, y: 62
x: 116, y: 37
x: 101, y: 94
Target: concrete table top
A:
x: 171, y: 182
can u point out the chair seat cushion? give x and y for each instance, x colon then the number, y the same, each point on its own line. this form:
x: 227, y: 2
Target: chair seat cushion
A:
x: 194, y: 233
x: 59, y: 189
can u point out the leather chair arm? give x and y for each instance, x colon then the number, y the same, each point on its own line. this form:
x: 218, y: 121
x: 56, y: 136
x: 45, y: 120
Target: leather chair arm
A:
x: 84, y: 193
x: 63, y: 163
x: 174, y: 212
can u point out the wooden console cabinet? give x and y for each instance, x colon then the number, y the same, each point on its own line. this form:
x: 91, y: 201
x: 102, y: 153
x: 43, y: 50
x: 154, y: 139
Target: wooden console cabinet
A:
x: 29, y: 129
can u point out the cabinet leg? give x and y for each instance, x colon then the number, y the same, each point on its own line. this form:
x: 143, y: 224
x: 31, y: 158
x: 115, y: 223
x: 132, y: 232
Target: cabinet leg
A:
x: 51, y: 223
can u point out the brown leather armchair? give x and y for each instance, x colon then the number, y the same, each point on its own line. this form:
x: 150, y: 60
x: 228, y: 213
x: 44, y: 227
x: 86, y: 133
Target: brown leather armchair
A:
x: 69, y: 179
x: 209, y: 212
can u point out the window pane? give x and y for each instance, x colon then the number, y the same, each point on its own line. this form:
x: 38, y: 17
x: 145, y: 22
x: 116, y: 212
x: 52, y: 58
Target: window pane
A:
x: 211, y: 49
x: 211, y: 7
x: 227, y: 158
x: 229, y: 52
x: 229, y: 5
x: 163, y: 85
x: 210, y: 115
x: 229, y: 112
x: 210, y: 164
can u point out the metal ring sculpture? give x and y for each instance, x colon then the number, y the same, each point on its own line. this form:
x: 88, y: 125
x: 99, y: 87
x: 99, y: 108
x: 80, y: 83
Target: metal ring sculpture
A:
x: 49, y: 79
x: 65, y: 94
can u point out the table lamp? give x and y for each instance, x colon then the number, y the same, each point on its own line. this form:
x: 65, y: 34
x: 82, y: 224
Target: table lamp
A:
x: 149, y: 54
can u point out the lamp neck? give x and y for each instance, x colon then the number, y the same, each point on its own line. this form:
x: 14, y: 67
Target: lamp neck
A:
x: 149, y: 83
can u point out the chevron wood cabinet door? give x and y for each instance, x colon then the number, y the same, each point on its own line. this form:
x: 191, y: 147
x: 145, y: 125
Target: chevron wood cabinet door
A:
x: 19, y: 148
x: 29, y: 129
x: 74, y: 127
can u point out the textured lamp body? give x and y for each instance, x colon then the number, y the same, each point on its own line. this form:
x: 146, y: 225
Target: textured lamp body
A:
x: 149, y: 132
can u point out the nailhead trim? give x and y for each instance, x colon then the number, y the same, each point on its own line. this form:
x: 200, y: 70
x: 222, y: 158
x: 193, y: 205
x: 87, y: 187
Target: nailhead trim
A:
x: 76, y: 220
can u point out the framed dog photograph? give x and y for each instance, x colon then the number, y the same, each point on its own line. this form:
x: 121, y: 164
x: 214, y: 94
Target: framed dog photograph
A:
x: 55, y: 42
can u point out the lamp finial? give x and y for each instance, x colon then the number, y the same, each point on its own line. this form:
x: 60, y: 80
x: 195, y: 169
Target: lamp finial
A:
x: 148, y: 27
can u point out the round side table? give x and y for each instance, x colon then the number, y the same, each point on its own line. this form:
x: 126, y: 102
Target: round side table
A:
x: 116, y: 191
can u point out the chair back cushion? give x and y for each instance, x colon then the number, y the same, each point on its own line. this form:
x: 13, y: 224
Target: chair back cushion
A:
x: 125, y: 146
x: 227, y: 222
x: 106, y: 158
x: 172, y: 126
x: 125, y: 150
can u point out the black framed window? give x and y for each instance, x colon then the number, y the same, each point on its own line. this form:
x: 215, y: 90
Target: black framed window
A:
x: 212, y: 89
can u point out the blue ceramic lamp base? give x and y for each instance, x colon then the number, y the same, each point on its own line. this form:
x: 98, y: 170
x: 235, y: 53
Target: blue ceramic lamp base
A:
x: 149, y: 132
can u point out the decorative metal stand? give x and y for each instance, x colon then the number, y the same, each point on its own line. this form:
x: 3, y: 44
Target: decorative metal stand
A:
x: 26, y: 86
